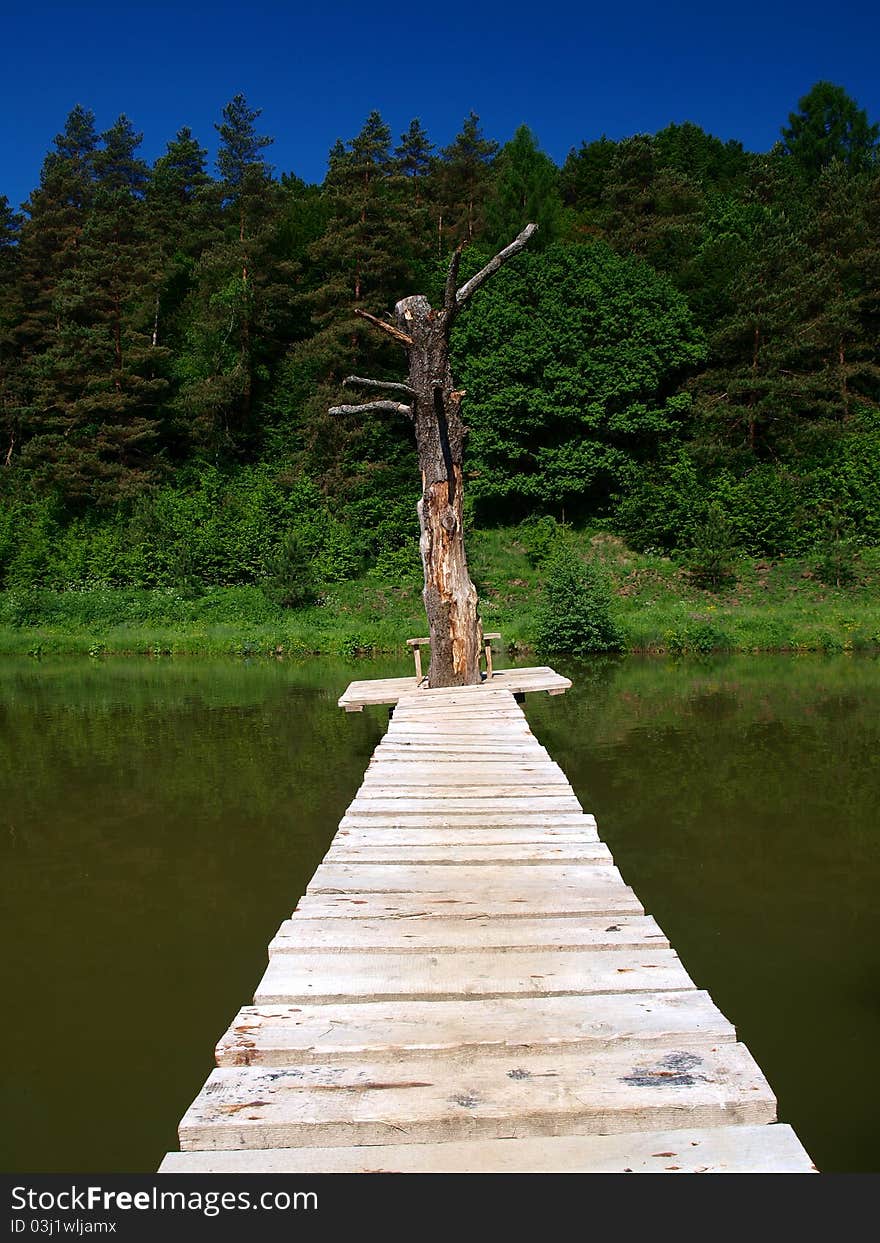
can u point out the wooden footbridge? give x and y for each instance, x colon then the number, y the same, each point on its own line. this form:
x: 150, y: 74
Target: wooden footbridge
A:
x: 469, y: 985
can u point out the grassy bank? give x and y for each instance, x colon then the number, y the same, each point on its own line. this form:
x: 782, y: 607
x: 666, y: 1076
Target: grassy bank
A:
x: 771, y: 606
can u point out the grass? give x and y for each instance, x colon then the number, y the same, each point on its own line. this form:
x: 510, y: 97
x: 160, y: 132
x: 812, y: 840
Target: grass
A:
x: 773, y: 605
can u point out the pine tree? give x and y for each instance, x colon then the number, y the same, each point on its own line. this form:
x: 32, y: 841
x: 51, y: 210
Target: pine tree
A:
x: 48, y: 252
x: 55, y: 217
x: 526, y: 188
x: 414, y: 153
x: 760, y: 387
x: 10, y: 314
x: 842, y: 326
x: 831, y: 126
x: 101, y: 381
x: 463, y: 179
x: 238, y: 295
x: 585, y: 174
x: 183, y: 219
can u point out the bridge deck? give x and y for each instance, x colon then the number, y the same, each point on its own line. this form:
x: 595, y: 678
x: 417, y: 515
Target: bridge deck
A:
x: 469, y: 985
x: 360, y: 695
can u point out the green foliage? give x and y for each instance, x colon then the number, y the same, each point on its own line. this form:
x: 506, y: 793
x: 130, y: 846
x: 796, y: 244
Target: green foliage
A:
x: 838, y: 555
x: 170, y: 342
x: 541, y: 537
x: 526, y: 189
x: 291, y: 581
x: 830, y: 126
x: 573, y: 361
x: 575, y: 612
x: 711, y: 557
x: 702, y: 638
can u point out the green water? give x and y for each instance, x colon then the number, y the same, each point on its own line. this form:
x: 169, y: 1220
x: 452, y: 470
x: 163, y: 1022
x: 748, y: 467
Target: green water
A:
x: 160, y: 818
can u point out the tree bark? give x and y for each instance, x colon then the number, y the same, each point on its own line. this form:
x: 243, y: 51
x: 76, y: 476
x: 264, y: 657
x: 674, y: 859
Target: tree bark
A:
x: 435, y: 408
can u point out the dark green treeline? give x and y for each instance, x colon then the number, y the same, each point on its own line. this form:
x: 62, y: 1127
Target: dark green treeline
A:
x: 693, y: 339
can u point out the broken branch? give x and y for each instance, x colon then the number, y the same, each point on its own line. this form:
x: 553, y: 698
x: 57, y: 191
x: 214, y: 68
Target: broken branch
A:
x: 402, y: 337
x: 471, y: 286
x: 395, y: 407
x: 452, y: 277
x: 352, y: 381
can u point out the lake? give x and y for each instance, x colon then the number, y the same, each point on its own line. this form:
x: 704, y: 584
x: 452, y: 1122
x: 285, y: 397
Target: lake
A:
x: 161, y: 817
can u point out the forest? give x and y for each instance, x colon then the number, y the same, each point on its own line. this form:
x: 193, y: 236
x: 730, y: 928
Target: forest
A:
x: 683, y: 363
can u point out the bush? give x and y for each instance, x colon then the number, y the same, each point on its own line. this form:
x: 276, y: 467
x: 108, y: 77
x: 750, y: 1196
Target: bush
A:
x: 575, y: 612
x: 540, y: 537
x: 838, y: 563
x: 711, y: 558
x: 291, y: 582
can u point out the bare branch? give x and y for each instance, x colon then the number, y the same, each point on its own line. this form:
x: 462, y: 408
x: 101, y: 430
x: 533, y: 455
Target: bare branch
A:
x: 471, y: 286
x: 395, y: 407
x: 402, y: 337
x: 355, y: 381
x: 452, y: 277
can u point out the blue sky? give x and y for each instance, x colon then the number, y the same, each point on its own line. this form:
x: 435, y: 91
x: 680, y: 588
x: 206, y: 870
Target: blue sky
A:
x: 571, y: 71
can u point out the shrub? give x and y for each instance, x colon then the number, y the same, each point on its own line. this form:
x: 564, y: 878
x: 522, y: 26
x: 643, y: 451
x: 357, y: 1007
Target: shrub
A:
x: 540, y: 537
x: 710, y: 559
x: 838, y: 562
x: 291, y: 582
x: 575, y: 612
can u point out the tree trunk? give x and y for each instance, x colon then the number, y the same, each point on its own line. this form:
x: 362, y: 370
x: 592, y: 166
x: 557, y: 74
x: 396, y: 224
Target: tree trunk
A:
x: 435, y: 409
x: 450, y: 596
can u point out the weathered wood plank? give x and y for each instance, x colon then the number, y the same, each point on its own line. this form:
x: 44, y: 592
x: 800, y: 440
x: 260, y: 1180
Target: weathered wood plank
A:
x: 533, y: 854
x: 285, y: 1035
x: 377, y: 835
x: 532, y: 884
x: 462, y: 820
x: 421, y: 934
x: 343, y: 976
x: 439, y: 1099
x: 472, y: 779
x: 390, y: 690
x: 604, y: 894
x: 718, y: 1150
x: 397, y: 800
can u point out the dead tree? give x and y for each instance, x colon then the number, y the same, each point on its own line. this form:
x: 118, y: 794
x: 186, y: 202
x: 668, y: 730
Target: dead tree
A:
x: 433, y: 404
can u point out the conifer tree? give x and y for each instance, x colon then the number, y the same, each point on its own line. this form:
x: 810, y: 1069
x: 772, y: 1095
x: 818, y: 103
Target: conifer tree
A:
x: 48, y: 252
x: 463, y: 179
x: 55, y: 217
x: 760, y: 385
x: 101, y: 380
x: 238, y: 288
x: 10, y: 314
x: 526, y: 188
x: 829, y: 125
x: 414, y: 152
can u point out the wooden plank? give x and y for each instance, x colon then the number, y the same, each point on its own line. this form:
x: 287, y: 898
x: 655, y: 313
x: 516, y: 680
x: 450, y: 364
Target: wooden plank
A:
x: 378, y: 835
x: 605, y: 894
x: 284, y: 1035
x: 464, y: 819
x: 509, y: 729
x: 717, y: 1150
x: 463, y: 777
x: 458, y: 751
x: 420, y: 935
x: 344, y: 976
x: 391, y: 690
x: 533, y: 854
x: 439, y: 1099
x: 493, y: 801
x: 522, y: 880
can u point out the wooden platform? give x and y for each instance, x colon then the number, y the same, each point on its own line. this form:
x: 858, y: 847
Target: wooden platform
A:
x: 360, y: 695
x: 469, y: 985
